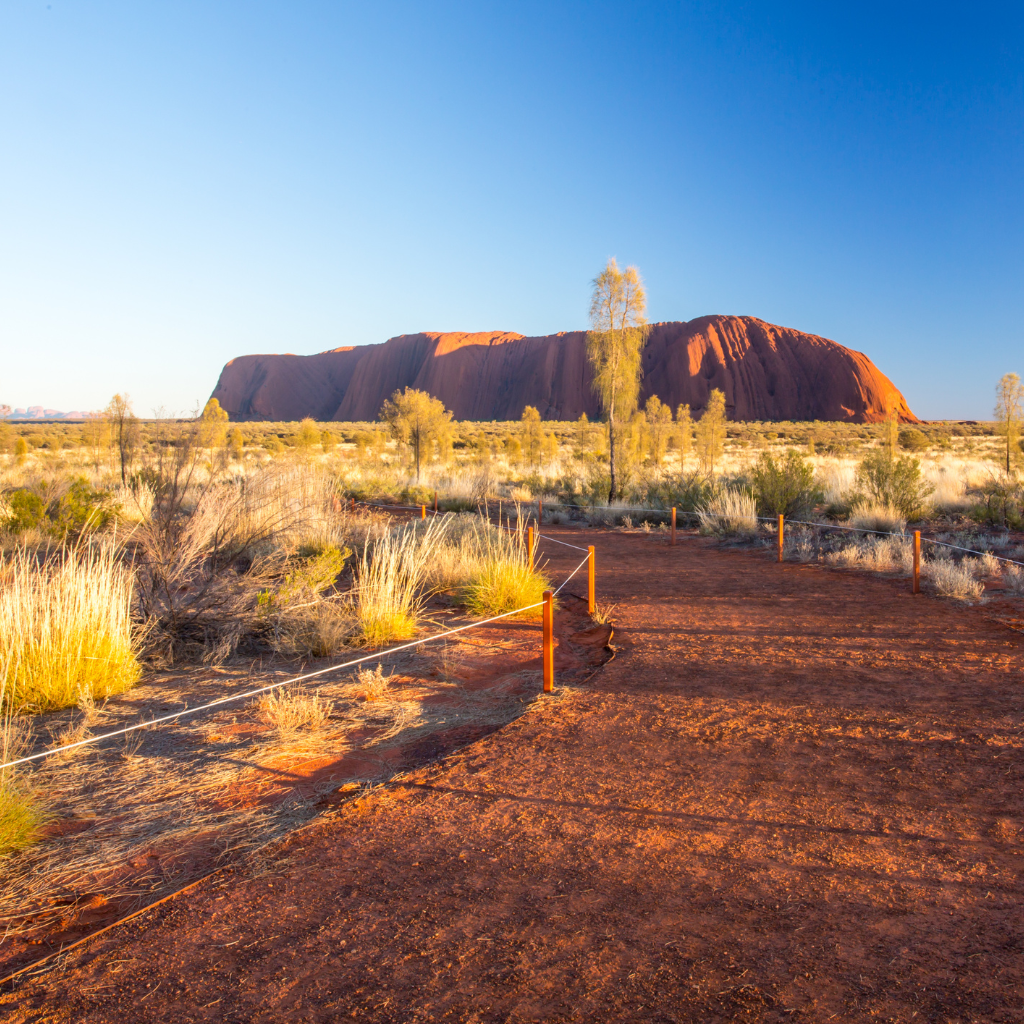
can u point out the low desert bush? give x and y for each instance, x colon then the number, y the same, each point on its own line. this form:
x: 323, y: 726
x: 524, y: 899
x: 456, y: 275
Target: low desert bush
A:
x: 876, y: 554
x: 375, y: 684
x: 878, y: 517
x: 895, y: 481
x: 784, y: 486
x: 952, y: 579
x: 1000, y: 503
x: 290, y: 711
x: 729, y: 513
x: 1013, y: 579
x: 65, y: 628
x: 986, y: 564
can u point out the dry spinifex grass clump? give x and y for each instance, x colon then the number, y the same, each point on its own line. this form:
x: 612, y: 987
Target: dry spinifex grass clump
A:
x: 65, y: 628
x: 954, y: 579
x: 290, y: 711
x: 21, y: 814
x: 374, y: 682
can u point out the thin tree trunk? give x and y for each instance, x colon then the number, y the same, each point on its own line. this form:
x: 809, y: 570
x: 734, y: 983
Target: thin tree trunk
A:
x: 611, y: 455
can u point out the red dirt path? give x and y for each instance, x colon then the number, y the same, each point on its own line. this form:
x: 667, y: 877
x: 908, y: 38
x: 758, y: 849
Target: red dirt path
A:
x: 794, y: 795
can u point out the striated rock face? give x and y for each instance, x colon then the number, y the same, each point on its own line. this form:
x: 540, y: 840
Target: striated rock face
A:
x: 766, y: 372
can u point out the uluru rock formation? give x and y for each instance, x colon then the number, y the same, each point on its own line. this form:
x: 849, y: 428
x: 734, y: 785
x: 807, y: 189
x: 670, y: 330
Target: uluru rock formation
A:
x: 766, y: 372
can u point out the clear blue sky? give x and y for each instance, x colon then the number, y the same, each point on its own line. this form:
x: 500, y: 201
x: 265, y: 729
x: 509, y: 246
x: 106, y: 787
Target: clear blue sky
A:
x: 183, y: 182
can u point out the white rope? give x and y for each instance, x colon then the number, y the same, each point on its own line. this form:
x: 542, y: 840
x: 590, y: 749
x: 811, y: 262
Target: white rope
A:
x: 263, y: 689
x: 576, y: 547
x: 573, y: 573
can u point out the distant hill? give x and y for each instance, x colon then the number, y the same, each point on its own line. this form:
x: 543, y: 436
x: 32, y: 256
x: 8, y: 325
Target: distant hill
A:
x: 37, y: 412
x: 767, y: 373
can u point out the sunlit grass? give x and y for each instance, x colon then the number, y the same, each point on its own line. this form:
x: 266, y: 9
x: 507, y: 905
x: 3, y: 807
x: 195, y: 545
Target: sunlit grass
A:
x: 65, y: 628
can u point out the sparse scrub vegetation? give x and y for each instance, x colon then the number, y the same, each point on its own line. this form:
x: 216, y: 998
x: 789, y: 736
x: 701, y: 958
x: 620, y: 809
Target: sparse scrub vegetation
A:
x: 954, y: 579
x: 374, y: 682
x: 291, y: 711
x: 729, y: 513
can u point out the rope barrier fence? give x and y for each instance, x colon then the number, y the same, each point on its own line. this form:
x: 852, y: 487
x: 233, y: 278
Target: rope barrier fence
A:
x: 255, y: 692
x: 589, y: 559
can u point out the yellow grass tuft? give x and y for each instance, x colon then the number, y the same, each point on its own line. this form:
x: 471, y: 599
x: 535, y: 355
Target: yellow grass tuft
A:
x: 20, y: 812
x: 290, y: 711
x: 391, y: 574
x: 65, y: 628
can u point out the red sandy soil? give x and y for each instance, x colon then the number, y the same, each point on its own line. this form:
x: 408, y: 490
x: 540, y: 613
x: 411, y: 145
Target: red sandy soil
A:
x: 794, y: 795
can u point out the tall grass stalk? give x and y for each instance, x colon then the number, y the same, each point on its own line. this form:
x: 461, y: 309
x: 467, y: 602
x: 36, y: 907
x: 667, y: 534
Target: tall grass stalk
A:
x: 502, y: 579
x: 391, y: 575
x: 65, y: 628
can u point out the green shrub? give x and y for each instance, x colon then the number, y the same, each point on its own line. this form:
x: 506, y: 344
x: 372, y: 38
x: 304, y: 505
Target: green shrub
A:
x: 784, y: 487
x: 913, y: 440
x: 25, y: 510
x: 895, y: 481
x: 78, y: 509
x: 1001, y: 504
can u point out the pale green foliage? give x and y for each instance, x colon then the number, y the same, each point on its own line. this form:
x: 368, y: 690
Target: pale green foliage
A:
x: 308, y: 434
x: 710, y: 439
x: 895, y: 481
x: 213, y: 426
x: 532, y: 436
x: 784, y: 486
x: 236, y: 442
x: 615, y: 341
x: 659, y: 426
x: 393, y: 567
x: 1009, y: 396
x: 421, y: 422
x: 684, y: 433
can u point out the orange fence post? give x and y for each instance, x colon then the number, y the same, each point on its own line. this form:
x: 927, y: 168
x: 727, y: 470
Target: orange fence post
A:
x: 529, y: 545
x: 780, y: 536
x: 591, y: 602
x: 435, y: 503
x: 549, y: 648
x: 423, y: 511
x: 917, y: 563
x: 673, y: 540
x: 353, y: 504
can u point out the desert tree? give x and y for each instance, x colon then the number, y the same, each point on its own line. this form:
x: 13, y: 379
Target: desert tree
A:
x: 5, y: 429
x: 710, y: 439
x: 684, y: 431
x: 531, y: 436
x: 236, y: 443
x: 307, y: 435
x: 213, y: 432
x: 659, y: 426
x: 615, y: 341
x: 124, y: 431
x: 1009, y: 397
x: 419, y: 421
